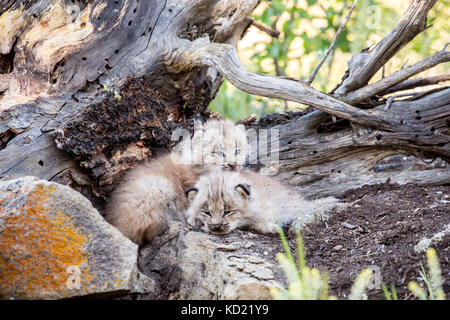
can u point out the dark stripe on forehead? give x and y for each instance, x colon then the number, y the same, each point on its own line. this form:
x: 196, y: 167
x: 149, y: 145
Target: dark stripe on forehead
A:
x: 216, y: 204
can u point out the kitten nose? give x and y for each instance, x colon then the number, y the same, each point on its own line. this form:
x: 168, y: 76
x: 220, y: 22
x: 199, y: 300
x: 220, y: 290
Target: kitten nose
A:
x: 216, y: 226
x: 232, y: 165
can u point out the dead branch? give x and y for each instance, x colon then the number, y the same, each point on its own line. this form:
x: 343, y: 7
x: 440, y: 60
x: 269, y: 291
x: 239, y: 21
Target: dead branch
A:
x: 224, y: 58
x: 364, y: 65
x: 271, y: 32
x: 415, y: 83
x: 332, y: 45
x: 375, y: 88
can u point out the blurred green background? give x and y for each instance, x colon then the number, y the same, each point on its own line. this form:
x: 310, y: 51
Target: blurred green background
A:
x: 307, y: 28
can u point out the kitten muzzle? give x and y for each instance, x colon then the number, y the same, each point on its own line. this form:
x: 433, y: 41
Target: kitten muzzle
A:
x: 232, y: 166
x: 218, y: 228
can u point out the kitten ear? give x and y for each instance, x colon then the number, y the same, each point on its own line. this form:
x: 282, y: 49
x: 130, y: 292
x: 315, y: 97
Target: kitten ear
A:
x: 191, y: 193
x: 243, y: 190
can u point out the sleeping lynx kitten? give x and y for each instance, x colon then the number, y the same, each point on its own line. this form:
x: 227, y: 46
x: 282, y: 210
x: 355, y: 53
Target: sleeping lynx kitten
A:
x: 223, y: 201
x: 151, y: 194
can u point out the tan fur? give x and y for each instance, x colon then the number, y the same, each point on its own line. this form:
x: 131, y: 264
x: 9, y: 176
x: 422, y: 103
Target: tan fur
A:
x: 148, y: 197
x: 153, y: 193
x: 222, y: 204
x: 220, y: 141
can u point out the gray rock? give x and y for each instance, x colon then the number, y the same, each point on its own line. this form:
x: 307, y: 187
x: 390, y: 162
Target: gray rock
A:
x: 54, y: 244
x: 187, y: 264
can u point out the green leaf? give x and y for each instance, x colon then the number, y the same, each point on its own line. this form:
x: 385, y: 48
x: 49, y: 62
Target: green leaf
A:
x: 278, y: 6
x: 303, y: 14
x: 274, y: 50
x: 267, y: 16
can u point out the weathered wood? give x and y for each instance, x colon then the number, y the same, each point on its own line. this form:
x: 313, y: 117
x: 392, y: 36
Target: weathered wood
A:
x: 364, y: 65
x: 225, y: 59
x: 372, y: 89
x: 331, y: 163
x: 415, y: 83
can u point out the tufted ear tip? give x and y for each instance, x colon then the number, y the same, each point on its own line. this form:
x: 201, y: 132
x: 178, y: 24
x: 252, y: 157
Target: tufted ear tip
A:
x: 191, y: 193
x: 243, y: 190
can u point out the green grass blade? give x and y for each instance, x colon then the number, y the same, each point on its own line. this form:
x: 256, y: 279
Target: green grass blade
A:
x: 386, y: 292
x: 285, y: 243
x: 394, y: 292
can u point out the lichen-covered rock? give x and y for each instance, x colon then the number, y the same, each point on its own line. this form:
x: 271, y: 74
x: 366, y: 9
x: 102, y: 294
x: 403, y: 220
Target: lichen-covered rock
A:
x: 54, y: 244
x: 187, y: 264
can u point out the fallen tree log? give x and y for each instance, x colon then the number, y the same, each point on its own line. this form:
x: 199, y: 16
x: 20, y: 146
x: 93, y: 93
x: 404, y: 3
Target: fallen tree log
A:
x: 329, y: 163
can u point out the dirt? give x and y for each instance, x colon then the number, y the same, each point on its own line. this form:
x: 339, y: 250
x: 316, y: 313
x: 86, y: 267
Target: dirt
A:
x: 379, y: 230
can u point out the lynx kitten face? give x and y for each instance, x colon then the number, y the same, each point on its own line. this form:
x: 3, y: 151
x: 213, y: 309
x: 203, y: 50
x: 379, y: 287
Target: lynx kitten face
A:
x: 217, y: 143
x: 217, y: 204
x: 224, y: 143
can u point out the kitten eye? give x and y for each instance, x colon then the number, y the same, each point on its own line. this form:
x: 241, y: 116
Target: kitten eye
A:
x: 237, y: 152
x: 207, y: 213
x: 227, y: 212
x: 219, y: 154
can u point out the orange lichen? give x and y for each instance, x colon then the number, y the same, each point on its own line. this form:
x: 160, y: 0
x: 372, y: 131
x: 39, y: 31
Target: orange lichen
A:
x: 37, y: 246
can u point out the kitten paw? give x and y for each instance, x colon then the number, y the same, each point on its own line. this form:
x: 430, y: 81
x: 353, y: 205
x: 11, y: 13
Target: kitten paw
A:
x: 268, y: 228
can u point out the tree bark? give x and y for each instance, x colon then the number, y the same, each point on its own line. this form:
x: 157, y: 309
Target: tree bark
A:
x: 88, y: 89
x: 93, y: 76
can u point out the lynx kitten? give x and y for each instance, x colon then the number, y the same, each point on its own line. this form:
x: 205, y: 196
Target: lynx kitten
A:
x: 223, y: 201
x: 153, y: 193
